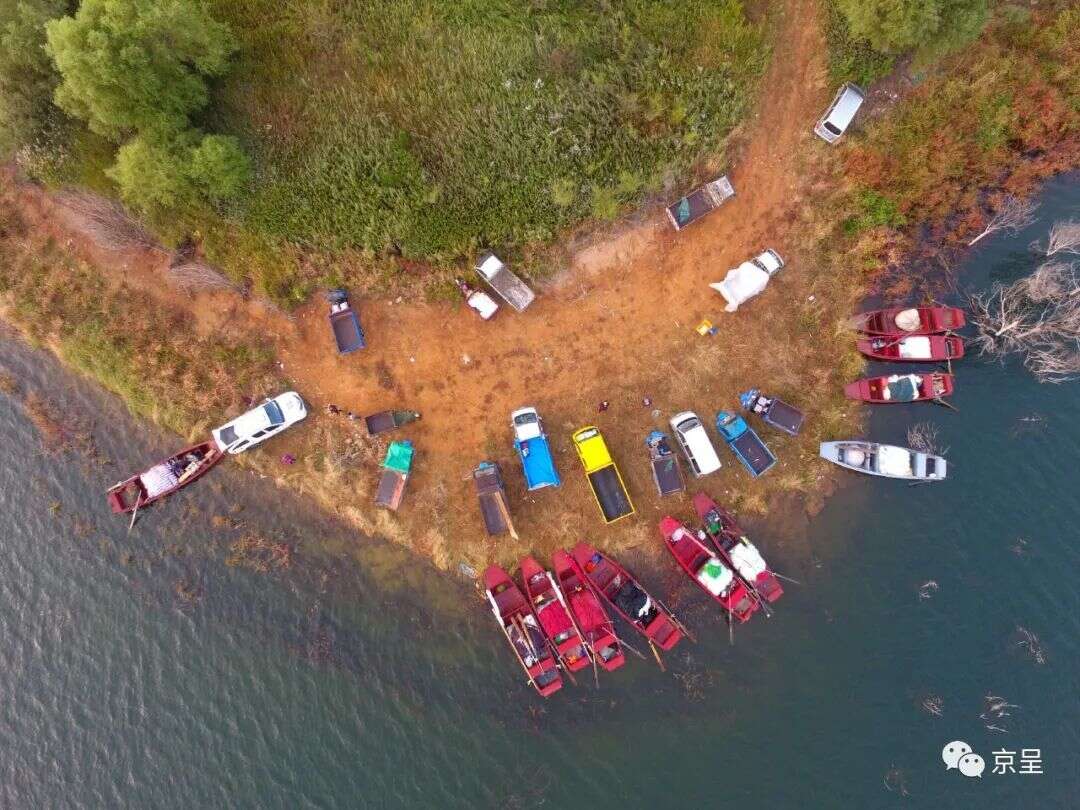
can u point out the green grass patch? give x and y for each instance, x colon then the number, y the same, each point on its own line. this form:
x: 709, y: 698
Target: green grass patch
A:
x: 426, y: 129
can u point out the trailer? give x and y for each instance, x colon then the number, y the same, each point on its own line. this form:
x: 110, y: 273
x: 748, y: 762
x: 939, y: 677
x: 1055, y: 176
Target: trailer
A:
x: 344, y: 323
x: 395, y: 474
x: 773, y: 411
x: 604, y: 478
x: 510, y: 288
x: 699, y: 202
x: 532, y: 448
x: 745, y: 443
x: 384, y: 421
x: 491, y: 492
x: 665, y: 465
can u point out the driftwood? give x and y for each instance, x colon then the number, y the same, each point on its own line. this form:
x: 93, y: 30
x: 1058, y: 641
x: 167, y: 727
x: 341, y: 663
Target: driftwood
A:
x: 1013, y: 215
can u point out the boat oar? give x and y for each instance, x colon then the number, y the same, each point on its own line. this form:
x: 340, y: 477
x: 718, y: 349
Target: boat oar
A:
x: 135, y: 512
x: 731, y: 628
x: 676, y: 621
x: 631, y: 649
x: 786, y: 579
x: 506, y: 515
x: 656, y: 655
x: 595, y: 671
x: 943, y: 403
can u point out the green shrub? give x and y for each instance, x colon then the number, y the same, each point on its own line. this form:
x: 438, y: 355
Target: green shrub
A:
x: 873, y: 210
x: 932, y: 26
x: 219, y: 167
x: 152, y: 173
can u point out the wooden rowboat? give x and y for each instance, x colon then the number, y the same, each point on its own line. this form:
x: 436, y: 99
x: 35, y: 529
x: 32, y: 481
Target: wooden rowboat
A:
x: 736, y: 549
x: 522, y: 631
x: 625, y: 594
x: 163, y: 479
x: 898, y: 389
x: 589, y: 614
x: 708, y: 571
x: 913, y: 349
x: 551, y: 609
x: 885, y: 460
x: 900, y: 321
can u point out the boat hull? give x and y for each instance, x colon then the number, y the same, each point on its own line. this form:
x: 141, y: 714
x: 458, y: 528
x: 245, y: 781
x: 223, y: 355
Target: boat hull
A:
x: 939, y: 349
x: 119, y: 496
x: 871, y: 390
x: 925, y: 467
x: 610, y: 580
x: 690, y: 553
x: 555, y: 621
x: 589, y: 614
x: 932, y: 320
x: 512, y: 611
x: 765, y: 584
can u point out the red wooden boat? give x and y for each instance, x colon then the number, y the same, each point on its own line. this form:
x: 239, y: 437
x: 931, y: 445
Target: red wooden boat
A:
x: 163, y: 479
x: 900, y: 321
x: 736, y: 549
x: 552, y: 611
x: 624, y: 593
x: 522, y: 631
x: 710, y: 573
x: 913, y: 349
x: 897, y: 389
x: 589, y: 615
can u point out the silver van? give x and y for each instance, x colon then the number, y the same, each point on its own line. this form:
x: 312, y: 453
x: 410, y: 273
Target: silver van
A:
x: 840, y: 113
x: 695, y: 443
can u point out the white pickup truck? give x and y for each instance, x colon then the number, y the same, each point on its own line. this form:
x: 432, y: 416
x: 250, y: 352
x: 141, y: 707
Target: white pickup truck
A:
x: 748, y: 279
x: 511, y: 288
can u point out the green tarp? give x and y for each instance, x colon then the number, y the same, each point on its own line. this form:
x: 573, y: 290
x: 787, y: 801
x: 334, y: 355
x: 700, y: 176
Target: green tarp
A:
x: 903, y: 389
x: 399, y: 456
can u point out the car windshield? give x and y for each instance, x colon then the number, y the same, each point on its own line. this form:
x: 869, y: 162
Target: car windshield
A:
x: 829, y: 125
x: 228, y: 435
x: 273, y: 413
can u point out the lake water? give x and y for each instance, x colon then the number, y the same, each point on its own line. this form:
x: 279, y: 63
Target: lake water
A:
x: 322, y: 686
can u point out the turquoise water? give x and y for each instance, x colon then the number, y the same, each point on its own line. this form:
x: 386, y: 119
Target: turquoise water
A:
x: 321, y: 687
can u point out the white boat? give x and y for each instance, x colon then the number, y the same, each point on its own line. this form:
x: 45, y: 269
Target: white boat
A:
x: 885, y: 460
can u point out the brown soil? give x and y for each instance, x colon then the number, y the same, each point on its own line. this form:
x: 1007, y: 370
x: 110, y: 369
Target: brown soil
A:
x: 616, y: 326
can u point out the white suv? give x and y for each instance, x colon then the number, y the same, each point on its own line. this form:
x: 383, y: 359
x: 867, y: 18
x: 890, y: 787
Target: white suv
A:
x: 840, y: 113
x: 259, y: 424
x: 695, y: 443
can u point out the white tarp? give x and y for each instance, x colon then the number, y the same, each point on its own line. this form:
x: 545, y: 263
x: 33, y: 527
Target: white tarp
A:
x: 894, y: 461
x: 741, y: 284
x: 748, y: 560
x: 158, y: 479
x: 907, y: 319
x: 915, y: 348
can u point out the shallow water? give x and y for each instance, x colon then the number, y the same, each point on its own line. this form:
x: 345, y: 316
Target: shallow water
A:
x: 320, y: 686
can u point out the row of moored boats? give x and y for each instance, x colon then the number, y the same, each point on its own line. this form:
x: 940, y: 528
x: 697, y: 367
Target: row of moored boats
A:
x: 561, y: 619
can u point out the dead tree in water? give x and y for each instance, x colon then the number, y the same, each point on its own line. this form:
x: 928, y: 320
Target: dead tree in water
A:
x: 1064, y: 238
x: 1037, y: 317
x: 923, y: 436
x: 1013, y: 215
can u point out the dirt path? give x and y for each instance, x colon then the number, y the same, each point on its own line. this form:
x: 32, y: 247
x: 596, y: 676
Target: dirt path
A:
x: 617, y: 327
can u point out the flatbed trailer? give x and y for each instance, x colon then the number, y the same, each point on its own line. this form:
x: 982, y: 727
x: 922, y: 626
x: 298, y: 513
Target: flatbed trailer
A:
x: 344, y: 323
x: 604, y: 478
x: 385, y: 421
x: 665, y: 465
x: 699, y: 202
x: 773, y: 411
x: 500, y: 278
x: 491, y: 493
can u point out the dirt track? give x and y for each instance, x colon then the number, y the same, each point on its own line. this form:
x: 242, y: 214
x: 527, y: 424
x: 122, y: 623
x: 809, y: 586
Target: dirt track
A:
x: 617, y: 326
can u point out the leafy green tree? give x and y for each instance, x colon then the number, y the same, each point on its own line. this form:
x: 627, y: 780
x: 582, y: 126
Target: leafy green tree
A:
x: 151, y: 172
x: 27, y: 75
x: 219, y: 167
x: 137, y: 65
x: 894, y: 26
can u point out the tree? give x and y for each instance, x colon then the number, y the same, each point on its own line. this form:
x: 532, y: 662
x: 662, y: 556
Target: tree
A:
x: 27, y: 75
x: 137, y: 66
x: 896, y: 26
x: 1012, y: 216
x: 1037, y: 317
x: 151, y: 172
x: 219, y: 167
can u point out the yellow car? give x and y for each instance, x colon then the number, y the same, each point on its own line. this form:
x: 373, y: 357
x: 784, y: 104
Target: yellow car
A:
x: 604, y: 478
